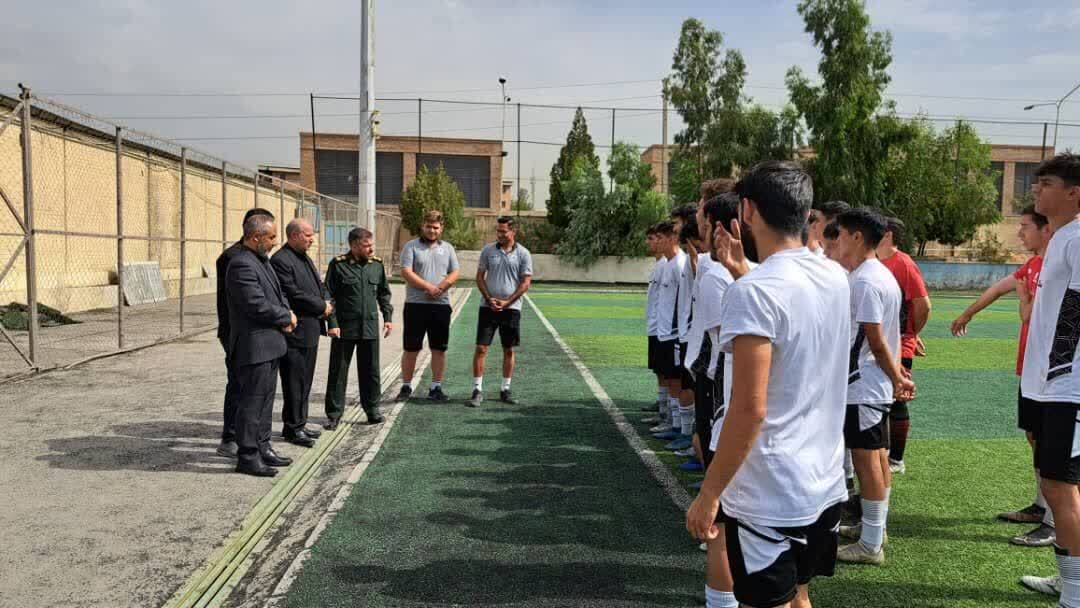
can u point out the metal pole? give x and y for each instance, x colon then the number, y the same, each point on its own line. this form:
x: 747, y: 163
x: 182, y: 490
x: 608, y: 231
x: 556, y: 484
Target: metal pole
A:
x: 255, y: 190
x: 1042, y: 151
x: 612, y: 143
x: 314, y: 148
x: 224, y: 205
x: 663, y: 150
x: 281, y: 204
x: 28, y: 219
x: 518, y: 184
x: 419, y: 131
x: 119, y: 238
x: 183, y: 231
x: 1057, y: 119
x: 366, y: 198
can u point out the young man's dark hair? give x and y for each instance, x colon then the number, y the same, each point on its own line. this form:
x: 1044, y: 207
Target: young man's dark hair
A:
x: 507, y: 221
x: 865, y: 221
x: 1065, y: 165
x: 359, y: 234
x: 831, y: 209
x: 831, y: 232
x: 782, y: 193
x: 896, y: 227
x: 684, y: 212
x: 256, y: 211
x: 713, y: 187
x: 689, y: 230
x: 722, y: 209
x: 664, y: 228
x: 1036, y: 217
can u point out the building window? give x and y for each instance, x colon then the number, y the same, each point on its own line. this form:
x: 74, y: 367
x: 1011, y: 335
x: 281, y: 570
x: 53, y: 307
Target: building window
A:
x: 1022, y: 181
x: 471, y: 173
x: 337, y: 172
x: 389, y: 178
x: 997, y: 169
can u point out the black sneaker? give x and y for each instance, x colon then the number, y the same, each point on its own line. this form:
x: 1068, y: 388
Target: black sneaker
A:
x: 652, y: 407
x: 1031, y: 514
x: 437, y: 394
x: 1043, y: 536
x: 506, y: 397
x: 404, y: 393
x: 476, y: 399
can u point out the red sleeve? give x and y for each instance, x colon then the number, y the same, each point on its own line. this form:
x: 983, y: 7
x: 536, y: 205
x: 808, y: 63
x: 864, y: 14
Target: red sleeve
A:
x: 1022, y: 272
x: 915, y: 287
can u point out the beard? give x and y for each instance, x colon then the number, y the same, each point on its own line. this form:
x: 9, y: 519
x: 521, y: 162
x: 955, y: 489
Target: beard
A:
x: 749, y: 245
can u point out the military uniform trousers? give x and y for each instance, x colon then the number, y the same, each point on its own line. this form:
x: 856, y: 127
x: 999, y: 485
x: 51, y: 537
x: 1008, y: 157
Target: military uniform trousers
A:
x: 297, y: 374
x: 256, y: 385
x: 367, y: 372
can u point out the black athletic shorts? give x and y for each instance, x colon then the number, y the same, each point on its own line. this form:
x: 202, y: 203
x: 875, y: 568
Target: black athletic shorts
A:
x: 810, y: 552
x: 703, y: 413
x: 653, y: 345
x: 508, y: 322
x: 684, y: 374
x: 875, y: 437
x: 666, y: 365
x: 1057, y: 451
x: 432, y: 320
x: 1028, y: 413
x: 899, y: 409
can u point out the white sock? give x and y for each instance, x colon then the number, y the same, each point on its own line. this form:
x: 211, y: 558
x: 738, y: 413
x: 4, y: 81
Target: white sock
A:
x: 1069, y: 569
x: 478, y: 383
x: 874, y: 514
x: 436, y: 383
x: 406, y: 384
x: 1040, y: 500
x: 673, y: 410
x: 686, y: 416
x: 506, y: 384
x: 720, y: 599
x: 661, y: 394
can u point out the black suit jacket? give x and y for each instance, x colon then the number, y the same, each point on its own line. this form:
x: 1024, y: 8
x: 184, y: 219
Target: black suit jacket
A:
x: 257, y: 310
x: 306, y: 294
x: 222, y: 294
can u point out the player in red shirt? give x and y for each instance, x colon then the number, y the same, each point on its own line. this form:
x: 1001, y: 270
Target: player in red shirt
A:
x: 1034, y: 233
x: 914, y: 313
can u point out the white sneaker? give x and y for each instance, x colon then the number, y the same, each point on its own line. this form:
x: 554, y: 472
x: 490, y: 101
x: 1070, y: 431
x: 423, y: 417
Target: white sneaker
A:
x: 651, y: 420
x: 1050, y: 585
x: 686, y: 453
x: 858, y: 554
x: 661, y: 428
x: 704, y: 547
x: 897, y: 467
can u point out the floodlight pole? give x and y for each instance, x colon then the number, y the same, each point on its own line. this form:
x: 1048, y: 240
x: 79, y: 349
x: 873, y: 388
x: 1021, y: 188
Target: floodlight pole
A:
x: 366, y: 181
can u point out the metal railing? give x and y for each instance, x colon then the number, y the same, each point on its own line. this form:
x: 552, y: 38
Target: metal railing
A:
x: 109, y: 235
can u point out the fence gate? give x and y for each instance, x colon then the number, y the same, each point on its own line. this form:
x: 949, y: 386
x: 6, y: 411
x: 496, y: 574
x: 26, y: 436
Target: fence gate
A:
x: 16, y: 339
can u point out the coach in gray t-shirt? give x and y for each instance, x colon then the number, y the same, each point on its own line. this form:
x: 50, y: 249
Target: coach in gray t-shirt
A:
x: 503, y: 275
x: 429, y: 266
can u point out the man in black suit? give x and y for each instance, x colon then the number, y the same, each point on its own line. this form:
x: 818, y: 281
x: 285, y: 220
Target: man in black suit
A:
x: 310, y: 301
x: 227, y: 448
x: 259, y: 318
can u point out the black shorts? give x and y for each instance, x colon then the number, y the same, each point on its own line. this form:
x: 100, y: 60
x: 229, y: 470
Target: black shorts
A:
x: 432, y: 320
x: 778, y: 582
x: 1057, y: 451
x: 703, y: 413
x: 899, y: 409
x: 508, y: 322
x: 1028, y: 413
x: 666, y: 365
x: 875, y: 437
x: 684, y: 374
x: 653, y: 345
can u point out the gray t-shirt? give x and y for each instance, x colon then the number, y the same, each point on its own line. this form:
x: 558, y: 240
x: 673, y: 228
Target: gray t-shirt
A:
x: 505, y: 271
x: 432, y: 261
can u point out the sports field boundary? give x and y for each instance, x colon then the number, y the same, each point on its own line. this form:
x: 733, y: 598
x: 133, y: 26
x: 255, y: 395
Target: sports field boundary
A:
x: 656, y: 468
x: 281, y: 590
x: 212, y: 583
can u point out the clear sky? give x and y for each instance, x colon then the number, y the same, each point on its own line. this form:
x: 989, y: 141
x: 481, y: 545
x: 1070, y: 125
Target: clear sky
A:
x: 982, y: 59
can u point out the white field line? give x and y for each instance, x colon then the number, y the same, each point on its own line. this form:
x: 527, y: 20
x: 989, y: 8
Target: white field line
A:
x: 659, y: 470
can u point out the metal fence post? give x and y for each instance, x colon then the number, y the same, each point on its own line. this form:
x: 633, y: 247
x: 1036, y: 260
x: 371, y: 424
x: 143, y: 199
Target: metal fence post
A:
x: 183, y: 232
x: 281, y: 206
x: 255, y: 190
x: 224, y: 205
x: 28, y: 219
x: 119, y: 238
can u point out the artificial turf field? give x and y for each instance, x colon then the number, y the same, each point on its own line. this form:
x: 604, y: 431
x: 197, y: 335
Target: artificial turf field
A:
x: 545, y: 503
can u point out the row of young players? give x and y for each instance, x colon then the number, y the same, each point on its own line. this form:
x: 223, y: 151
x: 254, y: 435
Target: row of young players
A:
x: 816, y: 352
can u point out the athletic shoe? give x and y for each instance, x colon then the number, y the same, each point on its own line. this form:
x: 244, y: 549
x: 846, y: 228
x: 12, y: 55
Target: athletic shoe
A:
x: 663, y: 427
x: 507, y: 397
x: 897, y: 467
x: 476, y: 399
x: 681, y: 443
x: 404, y: 393
x: 858, y: 554
x: 1031, y: 514
x: 651, y: 420
x: 687, y: 453
x: 855, y: 533
x: 437, y: 394
x: 691, y: 466
x: 1043, y: 536
x: 703, y: 546
x: 653, y: 407
x: 1050, y: 585
x: 668, y: 436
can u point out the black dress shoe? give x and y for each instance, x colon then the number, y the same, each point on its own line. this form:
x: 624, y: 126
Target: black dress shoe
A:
x: 313, y: 433
x: 375, y: 418
x: 272, y: 459
x: 299, y: 438
x: 331, y: 424
x: 254, y: 466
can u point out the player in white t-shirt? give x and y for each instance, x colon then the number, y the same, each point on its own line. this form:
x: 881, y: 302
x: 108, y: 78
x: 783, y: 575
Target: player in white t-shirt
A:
x: 875, y: 376
x: 667, y: 328
x: 1051, y: 374
x: 778, y: 468
x: 652, y: 323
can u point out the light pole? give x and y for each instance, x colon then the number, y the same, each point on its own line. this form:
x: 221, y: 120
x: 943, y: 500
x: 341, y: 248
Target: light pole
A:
x: 1057, y: 115
x: 504, y: 100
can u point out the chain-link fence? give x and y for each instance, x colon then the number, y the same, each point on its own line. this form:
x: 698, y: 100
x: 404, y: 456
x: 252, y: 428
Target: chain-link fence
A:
x: 109, y: 236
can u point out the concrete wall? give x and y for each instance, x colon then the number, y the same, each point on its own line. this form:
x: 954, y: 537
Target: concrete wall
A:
x: 952, y: 275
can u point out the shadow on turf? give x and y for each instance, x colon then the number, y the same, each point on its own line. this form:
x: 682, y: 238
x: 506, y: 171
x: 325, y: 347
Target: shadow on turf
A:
x: 478, y: 582
x: 928, y: 527
x: 842, y: 591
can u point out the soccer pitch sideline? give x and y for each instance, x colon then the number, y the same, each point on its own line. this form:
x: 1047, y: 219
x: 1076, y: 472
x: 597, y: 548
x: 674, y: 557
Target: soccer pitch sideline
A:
x: 547, y: 504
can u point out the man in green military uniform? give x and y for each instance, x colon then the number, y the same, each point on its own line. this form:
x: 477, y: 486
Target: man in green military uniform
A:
x: 357, y: 284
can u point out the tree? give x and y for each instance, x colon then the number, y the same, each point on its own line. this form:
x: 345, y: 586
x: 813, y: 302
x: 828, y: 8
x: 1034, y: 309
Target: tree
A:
x: 851, y: 128
x: 940, y: 186
x: 523, y: 202
x: 579, y: 145
x: 625, y: 167
x: 684, y: 177
x: 435, y: 190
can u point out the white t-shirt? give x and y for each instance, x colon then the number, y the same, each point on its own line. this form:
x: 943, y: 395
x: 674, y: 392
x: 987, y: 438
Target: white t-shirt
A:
x: 696, y: 334
x: 875, y: 298
x: 651, y: 324
x: 795, y: 469
x: 1050, y: 361
x: 667, y: 328
x: 686, y: 297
